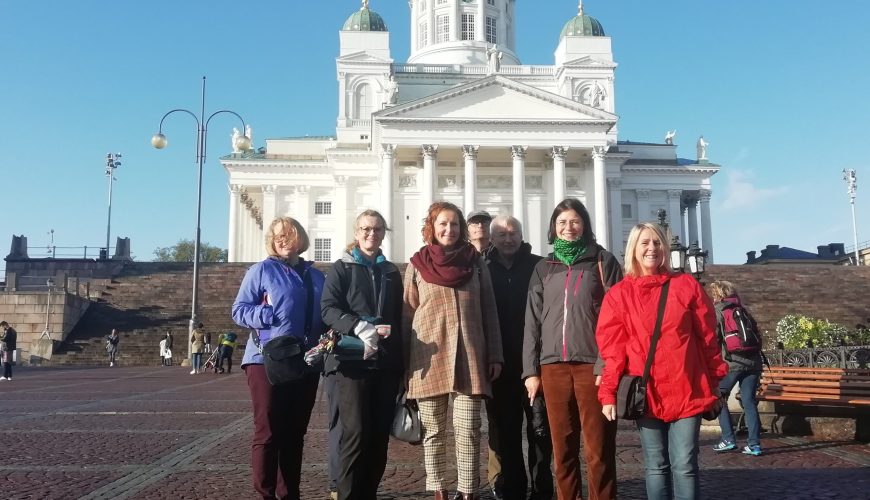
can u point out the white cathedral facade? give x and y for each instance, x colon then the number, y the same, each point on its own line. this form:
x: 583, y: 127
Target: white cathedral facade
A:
x: 464, y: 121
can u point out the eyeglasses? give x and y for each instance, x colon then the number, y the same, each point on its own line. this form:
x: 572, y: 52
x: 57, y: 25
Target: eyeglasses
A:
x: 572, y: 223
x: 372, y: 230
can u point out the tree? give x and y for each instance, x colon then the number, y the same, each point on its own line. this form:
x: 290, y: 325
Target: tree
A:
x: 183, y: 252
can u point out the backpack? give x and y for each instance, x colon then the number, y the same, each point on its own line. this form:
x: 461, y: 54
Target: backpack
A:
x: 740, y: 331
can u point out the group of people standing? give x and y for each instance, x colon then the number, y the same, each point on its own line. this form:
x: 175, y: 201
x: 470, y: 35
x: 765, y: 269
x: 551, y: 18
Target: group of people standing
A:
x: 483, y: 323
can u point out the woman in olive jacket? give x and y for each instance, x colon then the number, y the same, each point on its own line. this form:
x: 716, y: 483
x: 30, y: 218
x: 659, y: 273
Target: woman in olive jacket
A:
x: 362, y: 298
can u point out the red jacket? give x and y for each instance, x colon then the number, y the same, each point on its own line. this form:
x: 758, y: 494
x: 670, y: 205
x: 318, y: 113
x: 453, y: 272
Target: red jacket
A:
x: 684, y: 378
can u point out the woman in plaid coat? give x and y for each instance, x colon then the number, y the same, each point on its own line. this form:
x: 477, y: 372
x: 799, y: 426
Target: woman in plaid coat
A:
x: 453, y: 345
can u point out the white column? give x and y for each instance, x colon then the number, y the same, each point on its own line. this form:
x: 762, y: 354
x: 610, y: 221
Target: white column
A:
x: 675, y: 222
x: 244, y: 231
x: 616, y: 243
x: 643, y: 214
x: 456, y: 31
x: 430, y: 160
x: 232, y: 250
x: 302, y: 210
x: 269, y: 210
x: 559, y: 155
x: 414, y: 22
x: 430, y: 14
x: 470, y: 155
x: 341, y: 235
x: 706, y: 225
x: 693, y: 221
x: 387, y: 194
x: 683, y: 224
x: 480, y: 22
x: 598, y: 153
x: 518, y: 153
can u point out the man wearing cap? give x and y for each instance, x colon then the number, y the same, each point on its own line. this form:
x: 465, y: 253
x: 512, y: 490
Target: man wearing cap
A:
x: 478, y: 230
x: 511, y: 264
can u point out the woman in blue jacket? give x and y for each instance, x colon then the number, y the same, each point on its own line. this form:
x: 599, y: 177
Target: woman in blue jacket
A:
x: 280, y: 296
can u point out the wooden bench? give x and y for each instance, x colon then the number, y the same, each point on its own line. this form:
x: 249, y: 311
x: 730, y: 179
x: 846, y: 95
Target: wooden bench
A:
x: 820, y: 392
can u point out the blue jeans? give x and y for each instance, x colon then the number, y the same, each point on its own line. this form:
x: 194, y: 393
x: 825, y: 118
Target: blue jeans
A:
x: 196, y: 361
x: 670, y: 456
x: 748, y: 384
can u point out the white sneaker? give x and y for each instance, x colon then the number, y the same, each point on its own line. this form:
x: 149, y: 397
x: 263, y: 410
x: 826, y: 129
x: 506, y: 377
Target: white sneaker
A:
x: 193, y: 372
x: 111, y: 363
x: 4, y: 378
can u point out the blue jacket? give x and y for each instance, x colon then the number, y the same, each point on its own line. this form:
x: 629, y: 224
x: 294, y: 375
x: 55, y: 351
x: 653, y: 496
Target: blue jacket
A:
x: 290, y: 301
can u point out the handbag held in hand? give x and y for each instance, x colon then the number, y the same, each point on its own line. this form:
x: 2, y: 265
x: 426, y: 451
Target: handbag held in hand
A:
x: 406, y: 421
x: 631, y: 393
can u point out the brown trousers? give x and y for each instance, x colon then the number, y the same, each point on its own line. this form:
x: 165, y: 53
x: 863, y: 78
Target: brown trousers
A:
x: 572, y: 408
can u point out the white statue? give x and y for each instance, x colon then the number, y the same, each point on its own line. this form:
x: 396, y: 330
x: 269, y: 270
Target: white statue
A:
x: 493, y: 60
x: 235, y: 139
x: 249, y: 132
x: 702, y: 148
x: 365, y: 4
x: 669, y: 136
x: 391, y: 91
x: 596, y: 95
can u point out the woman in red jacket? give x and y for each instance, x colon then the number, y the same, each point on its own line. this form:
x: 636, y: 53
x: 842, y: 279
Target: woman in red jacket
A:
x: 687, y: 365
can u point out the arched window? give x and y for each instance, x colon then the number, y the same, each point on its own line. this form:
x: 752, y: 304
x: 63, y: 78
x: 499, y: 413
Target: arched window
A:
x: 363, y: 102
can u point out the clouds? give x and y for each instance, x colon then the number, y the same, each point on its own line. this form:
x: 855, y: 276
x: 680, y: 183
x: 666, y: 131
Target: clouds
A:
x: 743, y: 193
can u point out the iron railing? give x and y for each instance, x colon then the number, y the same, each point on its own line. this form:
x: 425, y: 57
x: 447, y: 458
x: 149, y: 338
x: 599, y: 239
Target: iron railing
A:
x: 822, y: 357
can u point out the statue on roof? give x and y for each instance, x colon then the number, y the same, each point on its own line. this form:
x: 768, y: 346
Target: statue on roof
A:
x: 391, y: 91
x: 596, y: 95
x: 365, y: 4
x: 702, y: 148
x: 493, y: 59
x: 249, y: 133
x: 235, y: 138
x: 669, y: 136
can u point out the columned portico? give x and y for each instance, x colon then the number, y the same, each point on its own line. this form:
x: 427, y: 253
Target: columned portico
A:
x: 559, y: 155
x: 268, y: 214
x: 706, y: 224
x: 430, y: 160
x: 693, y: 220
x: 387, y: 158
x: 599, y: 176
x: 518, y: 154
x: 232, y: 242
x: 469, y: 154
x: 643, y: 212
x: 674, y: 211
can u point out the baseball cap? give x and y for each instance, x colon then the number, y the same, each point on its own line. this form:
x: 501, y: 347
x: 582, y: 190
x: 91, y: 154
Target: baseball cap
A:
x: 479, y: 217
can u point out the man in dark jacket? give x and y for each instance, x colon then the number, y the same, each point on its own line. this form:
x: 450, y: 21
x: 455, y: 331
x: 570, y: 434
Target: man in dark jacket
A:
x: 511, y: 263
x: 8, y: 337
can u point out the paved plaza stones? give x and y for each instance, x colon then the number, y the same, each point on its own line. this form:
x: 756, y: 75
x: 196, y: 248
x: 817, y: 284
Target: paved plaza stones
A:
x: 160, y: 433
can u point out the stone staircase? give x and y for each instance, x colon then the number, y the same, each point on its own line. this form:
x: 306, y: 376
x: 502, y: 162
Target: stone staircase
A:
x: 144, y: 301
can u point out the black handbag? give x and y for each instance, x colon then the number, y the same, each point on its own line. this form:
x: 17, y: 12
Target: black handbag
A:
x: 631, y: 393
x: 406, y: 424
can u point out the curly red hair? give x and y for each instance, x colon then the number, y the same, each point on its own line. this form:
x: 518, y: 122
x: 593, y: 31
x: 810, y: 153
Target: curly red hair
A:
x: 429, y: 223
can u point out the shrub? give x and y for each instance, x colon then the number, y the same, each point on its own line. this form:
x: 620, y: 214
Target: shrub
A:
x: 795, y: 331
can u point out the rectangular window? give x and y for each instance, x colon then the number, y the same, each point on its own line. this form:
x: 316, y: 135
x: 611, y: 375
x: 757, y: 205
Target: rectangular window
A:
x: 322, y: 208
x: 491, y: 36
x: 491, y: 2
x: 626, y: 211
x: 443, y: 33
x: 441, y: 2
x: 322, y: 249
x: 468, y: 26
x: 423, y: 36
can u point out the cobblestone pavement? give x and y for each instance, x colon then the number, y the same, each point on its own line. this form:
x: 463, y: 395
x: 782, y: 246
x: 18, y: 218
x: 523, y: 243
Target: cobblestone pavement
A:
x: 161, y: 433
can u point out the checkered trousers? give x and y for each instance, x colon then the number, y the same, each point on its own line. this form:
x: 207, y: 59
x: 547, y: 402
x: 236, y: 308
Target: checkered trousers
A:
x: 466, y: 427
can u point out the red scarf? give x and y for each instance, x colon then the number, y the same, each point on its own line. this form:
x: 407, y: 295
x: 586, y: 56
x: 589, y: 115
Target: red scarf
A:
x: 445, y: 269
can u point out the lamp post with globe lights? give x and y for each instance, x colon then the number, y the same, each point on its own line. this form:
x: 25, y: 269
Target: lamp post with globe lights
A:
x: 851, y: 187
x: 159, y: 141
x: 113, y: 161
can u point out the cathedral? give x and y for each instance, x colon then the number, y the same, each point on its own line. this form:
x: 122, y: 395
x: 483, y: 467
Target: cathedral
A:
x: 463, y: 120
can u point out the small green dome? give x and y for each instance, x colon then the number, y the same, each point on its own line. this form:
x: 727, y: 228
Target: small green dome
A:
x: 582, y: 25
x: 364, y: 19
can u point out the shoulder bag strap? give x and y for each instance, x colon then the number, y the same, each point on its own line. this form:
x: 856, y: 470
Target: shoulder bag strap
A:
x: 657, y: 332
x: 601, y: 273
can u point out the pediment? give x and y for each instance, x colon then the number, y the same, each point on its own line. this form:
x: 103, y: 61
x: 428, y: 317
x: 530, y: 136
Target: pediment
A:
x: 363, y: 57
x: 495, y: 98
x: 588, y: 61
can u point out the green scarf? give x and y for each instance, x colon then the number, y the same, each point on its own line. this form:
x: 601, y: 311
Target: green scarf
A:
x: 568, y: 251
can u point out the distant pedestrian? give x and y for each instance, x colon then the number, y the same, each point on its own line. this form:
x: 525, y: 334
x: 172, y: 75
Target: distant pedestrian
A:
x: 197, y: 347
x: 167, y: 354
x: 112, y: 341
x: 163, y: 352
x: 207, y: 340
x: 8, y: 337
x: 226, y: 346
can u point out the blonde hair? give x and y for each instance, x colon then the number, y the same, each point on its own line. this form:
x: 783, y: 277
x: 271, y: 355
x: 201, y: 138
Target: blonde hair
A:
x: 367, y: 213
x: 297, y: 234
x: 632, y: 266
x: 720, y: 289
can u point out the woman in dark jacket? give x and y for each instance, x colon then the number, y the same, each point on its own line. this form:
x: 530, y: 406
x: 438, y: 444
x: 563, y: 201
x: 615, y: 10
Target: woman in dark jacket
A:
x: 560, y: 353
x: 743, y: 368
x: 280, y: 296
x: 362, y: 301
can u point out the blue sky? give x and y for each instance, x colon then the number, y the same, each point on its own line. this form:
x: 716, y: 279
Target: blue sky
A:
x: 779, y: 89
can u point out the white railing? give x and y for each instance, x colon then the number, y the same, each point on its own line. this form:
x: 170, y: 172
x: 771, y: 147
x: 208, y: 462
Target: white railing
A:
x: 458, y: 69
x: 360, y: 123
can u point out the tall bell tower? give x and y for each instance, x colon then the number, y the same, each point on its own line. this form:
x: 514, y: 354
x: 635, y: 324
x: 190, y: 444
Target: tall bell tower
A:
x: 460, y: 31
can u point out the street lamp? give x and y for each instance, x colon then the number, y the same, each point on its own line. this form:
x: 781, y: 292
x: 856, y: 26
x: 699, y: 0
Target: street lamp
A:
x: 112, y: 162
x: 696, y: 260
x: 852, y: 187
x: 678, y: 254
x: 242, y: 142
x: 50, y: 284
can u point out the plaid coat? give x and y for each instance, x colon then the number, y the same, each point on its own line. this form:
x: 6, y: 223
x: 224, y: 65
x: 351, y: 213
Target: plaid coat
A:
x: 452, y: 335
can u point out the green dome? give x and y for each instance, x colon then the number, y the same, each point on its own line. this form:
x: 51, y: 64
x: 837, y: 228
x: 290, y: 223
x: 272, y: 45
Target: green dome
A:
x: 582, y: 25
x: 364, y: 19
